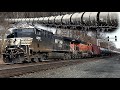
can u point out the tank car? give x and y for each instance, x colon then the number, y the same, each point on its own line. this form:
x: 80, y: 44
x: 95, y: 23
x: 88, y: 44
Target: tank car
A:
x: 103, y: 18
x: 105, y: 52
x: 40, y: 20
x: 30, y: 19
x: 113, y: 18
x: 76, y: 18
x: 86, y: 19
x: 45, y: 20
x: 108, y: 18
x: 27, y: 19
x: 51, y: 19
x: 66, y: 19
x: 35, y: 19
x: 94, y: 18
x: 58, y: 20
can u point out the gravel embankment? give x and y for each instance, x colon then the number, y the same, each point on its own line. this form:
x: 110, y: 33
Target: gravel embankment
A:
x: 103, y: 68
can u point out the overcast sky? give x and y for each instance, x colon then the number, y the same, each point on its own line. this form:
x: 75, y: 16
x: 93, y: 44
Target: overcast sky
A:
x: 115, y: 33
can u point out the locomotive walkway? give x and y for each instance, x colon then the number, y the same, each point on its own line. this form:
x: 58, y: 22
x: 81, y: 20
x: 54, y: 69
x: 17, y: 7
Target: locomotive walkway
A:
x: 102, y: 68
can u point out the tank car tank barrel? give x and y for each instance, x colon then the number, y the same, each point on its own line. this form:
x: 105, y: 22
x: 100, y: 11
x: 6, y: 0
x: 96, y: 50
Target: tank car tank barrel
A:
x: 92, y: 19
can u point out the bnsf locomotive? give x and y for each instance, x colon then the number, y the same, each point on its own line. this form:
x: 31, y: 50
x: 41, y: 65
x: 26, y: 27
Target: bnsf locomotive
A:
x: 35, y: 45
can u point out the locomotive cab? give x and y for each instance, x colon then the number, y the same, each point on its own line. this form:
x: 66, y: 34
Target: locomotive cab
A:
x: 18, y: 43
x: 74, y: 45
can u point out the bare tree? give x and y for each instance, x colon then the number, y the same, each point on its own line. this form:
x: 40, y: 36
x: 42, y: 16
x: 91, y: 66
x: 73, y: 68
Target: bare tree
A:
x: 3, y: 29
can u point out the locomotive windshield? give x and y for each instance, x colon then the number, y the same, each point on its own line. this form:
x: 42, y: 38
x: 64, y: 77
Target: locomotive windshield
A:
x: 26, y: 32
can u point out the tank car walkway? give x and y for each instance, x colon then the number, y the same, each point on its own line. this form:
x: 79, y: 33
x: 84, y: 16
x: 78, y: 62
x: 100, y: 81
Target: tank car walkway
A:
x: 103, y: 68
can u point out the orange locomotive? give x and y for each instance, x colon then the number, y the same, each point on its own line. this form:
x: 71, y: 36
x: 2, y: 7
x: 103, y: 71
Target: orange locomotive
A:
x: 81, y: 49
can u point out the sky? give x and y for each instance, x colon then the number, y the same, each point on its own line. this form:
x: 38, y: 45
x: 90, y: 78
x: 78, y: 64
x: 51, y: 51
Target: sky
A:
x: 115, y: 33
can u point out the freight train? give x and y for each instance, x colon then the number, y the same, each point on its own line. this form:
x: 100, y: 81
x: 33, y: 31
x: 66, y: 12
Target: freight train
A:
x: 36, y: 45
x: 79, y: 20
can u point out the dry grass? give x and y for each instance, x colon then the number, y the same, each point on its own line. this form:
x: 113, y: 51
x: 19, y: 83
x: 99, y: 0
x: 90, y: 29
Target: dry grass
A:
x: 1, y: 61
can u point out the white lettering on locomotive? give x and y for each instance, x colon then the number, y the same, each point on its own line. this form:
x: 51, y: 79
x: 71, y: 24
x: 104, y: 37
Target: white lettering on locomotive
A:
x: 38, y: 38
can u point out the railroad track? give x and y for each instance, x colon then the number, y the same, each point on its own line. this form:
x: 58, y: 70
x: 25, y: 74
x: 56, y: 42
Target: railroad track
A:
x: 7, y: 71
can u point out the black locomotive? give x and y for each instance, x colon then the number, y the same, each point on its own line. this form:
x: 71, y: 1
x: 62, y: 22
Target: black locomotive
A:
x: 33, y: 44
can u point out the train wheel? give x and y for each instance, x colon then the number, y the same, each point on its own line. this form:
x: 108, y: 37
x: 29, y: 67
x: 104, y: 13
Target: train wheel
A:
x: 35, y: 59
x: 39, y: 59
x: 19, y: 59
x: 73, y: 56
x: 76, y: 56
x: 43, y: 57
x: 7, y: 59
x: 79, y: 56
x: 82, y: 57
x: 69, y: 57
x: 65, y: 56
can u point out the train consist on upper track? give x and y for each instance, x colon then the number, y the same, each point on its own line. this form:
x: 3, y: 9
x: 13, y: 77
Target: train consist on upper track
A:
x: 36, y: 44
x: 82, y: 20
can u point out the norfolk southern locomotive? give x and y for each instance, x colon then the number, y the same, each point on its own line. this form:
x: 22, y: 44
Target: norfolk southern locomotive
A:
x: 35, y: 44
